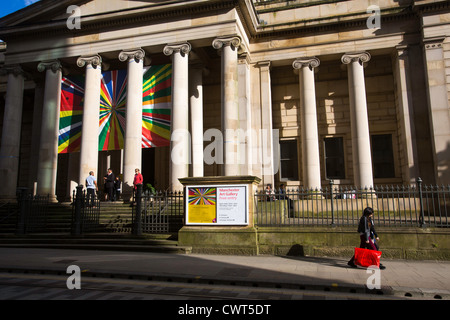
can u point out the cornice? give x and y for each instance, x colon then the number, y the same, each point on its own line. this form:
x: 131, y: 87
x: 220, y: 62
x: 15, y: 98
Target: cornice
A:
x: 112, y: 20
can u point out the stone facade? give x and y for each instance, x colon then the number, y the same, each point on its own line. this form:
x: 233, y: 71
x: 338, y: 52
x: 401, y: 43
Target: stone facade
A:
x: 353, y: 93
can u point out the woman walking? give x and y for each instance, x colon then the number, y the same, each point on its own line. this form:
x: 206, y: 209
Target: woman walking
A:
x: 367, y: 235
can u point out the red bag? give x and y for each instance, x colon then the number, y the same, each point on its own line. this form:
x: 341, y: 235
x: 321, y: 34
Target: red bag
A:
x: 366, y: 258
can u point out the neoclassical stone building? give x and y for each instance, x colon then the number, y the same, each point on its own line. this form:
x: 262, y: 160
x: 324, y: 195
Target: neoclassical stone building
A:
x: 296, y: 92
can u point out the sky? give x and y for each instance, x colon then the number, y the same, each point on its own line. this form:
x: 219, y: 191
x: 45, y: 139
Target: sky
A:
x: 10, y: 6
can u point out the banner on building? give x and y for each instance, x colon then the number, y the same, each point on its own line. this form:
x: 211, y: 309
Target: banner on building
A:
x: 156, y: 109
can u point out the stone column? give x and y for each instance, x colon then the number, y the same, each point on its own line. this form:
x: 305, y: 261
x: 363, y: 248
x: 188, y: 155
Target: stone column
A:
x: 310, y: 136
x: 179, y: 146
x: 91, y: 111
x: 12, y: 124
x: 230, y: 103
x: 245, y: 113
x: 405, y: 102
x: 266, y: 137
x: 196, y: 106
x: 48, y: 154
x: 36, y: 134
x: 362, y: 158
x: 132, y: 158
x: 438, y: 107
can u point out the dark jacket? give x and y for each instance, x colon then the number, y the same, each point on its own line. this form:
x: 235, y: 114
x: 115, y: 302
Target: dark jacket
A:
x: 109, y: 182
x: 367, y: 228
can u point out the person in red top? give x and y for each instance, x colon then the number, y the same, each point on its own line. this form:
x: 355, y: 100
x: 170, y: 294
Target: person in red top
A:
x: 138, y: 179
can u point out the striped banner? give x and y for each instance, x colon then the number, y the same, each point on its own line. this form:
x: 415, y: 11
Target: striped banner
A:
x: 71, y: 114
x: 156, y: 109
x: 113, y: 101
x: 157, y: 106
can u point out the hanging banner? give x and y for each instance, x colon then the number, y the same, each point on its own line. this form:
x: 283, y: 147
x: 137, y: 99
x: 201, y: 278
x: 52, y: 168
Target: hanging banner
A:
x: 71, y: 114
x: 157, y: 106
x: 113, y: 102
x: 217, y: 205
x: 156, y: 109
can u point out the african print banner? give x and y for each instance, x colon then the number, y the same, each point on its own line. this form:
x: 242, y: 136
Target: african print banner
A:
x: 156, y: 113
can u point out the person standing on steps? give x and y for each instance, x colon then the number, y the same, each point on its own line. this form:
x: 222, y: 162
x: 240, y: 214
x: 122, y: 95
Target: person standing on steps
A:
x: 138, y: 179
x: 109, y: 184
x: 91, y: 187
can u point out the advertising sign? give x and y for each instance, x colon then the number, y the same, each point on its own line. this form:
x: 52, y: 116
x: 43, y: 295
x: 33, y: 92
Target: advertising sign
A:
x: 217, y: 205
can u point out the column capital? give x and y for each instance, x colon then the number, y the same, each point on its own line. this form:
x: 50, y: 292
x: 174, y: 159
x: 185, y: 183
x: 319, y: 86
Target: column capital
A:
x: 14, y: 69
x: 264, y: 65
x: 183, y: 48
x: 94, y: 60
x: 136, y: 54
x: 53, y: 65
x: 310, y: 62
x: 359, y: 57
x: 220, y: 42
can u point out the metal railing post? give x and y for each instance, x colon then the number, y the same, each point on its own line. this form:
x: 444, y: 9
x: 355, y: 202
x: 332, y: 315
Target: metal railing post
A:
x: 422, y: 216
x: 76, y: 227
x: 137, y: 226
x: 332, y: 205
x: 23, y: 205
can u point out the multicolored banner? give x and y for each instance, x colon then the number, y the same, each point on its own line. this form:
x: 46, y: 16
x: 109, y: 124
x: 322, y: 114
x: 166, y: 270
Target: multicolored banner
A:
x: 113, y: 102
x: 71, y: 114
x: 157, y: 106
x: 156, y: 113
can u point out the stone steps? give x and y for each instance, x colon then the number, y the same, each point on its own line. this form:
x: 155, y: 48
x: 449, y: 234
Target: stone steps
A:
x: 110, y: 242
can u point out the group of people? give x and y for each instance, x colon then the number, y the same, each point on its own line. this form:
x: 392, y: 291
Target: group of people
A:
x: 112, y: 185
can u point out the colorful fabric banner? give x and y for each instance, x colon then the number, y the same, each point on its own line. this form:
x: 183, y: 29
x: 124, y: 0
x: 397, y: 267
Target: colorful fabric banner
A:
x: 71, y: 114
x: 113, y: 101
x: 157, y: 106
x: 156, y: 113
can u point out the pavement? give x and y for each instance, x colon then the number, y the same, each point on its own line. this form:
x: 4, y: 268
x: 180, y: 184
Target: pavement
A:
x: 402, y: 278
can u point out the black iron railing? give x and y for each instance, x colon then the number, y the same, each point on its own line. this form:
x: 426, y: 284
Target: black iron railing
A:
x: 394, y: 206
x: 158, y: 212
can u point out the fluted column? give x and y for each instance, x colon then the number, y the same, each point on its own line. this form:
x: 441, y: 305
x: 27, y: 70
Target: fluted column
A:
x: 133, y: 131
x: 310, y: 136
x: 179, y: 146
x: 12, y: 123
x: 91, y: 111
x: 196, y: 108
x: 362, y: 158
x: 230, y: 103
x: 48, y: 153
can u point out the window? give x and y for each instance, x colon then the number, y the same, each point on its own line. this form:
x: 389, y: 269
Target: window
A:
x: 382, y: 156
x: 334, y: 158
x: 288, y: 160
